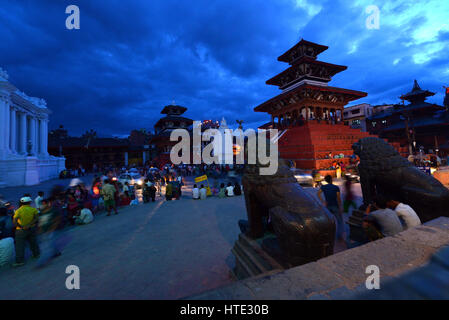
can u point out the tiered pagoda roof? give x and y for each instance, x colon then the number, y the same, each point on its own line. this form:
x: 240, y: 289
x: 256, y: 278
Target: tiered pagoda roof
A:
x: 306, y: 80
x: 417, y: 95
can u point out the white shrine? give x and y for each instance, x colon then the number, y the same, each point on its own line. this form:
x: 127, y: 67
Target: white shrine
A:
x: 24, y: 158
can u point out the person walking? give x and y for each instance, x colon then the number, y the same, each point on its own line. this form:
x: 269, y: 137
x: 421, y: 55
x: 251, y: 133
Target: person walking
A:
x: 349, y: 195
x: 25, y: 219
x: 332, y: 201
x: 108, y: 192
x: 168, y: 191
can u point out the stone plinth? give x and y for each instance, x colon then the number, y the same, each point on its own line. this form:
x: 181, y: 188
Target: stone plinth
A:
x: 343, y: 275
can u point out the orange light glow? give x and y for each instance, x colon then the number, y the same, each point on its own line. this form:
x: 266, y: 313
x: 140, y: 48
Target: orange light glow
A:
x: 236, y: 149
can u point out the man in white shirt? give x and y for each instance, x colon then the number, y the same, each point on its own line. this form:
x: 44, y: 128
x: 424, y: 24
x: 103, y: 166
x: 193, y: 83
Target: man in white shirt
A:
x: 85, y: 217
x: 203, y: 193
x: 38, y: 200
x: 230, y: 190
x: 195, y: 192
x: 406, y: 214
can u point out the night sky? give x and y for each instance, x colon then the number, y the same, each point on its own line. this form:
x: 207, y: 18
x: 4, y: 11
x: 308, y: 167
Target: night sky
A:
x: 131, y: 58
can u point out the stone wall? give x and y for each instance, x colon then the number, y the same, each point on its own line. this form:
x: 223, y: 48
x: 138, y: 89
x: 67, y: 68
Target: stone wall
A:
x: 343, y: 275
x: 29, y: 170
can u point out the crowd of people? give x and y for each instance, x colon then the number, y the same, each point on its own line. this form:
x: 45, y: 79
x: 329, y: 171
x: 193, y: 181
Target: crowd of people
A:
x: 223, y: 191
x: 40, y: 222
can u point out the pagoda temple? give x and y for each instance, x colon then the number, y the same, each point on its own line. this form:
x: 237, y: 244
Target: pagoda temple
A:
x: 416, y: 124
x: 163, y: 129
x: 309, y: 112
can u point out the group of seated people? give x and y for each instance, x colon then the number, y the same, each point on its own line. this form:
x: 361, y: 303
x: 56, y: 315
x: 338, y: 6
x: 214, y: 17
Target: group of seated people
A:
x: 222, y: 192
x: 387, y: 217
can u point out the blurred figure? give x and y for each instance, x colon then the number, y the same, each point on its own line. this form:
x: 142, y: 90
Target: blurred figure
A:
x: 222, y: 192
x: 38, y: 200
x: 6, y: 224
x: 168, y: 191
x: 108, y: 192
x: 6, y: 237
x: 25, y: 220
x: 349, y: 195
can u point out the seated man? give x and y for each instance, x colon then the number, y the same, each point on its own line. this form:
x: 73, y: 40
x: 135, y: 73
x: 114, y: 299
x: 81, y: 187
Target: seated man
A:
x: 381, y: 221
x: 203, y: 193
x: 195, y: 192
x: 84, y: 217
x: 406, y: 214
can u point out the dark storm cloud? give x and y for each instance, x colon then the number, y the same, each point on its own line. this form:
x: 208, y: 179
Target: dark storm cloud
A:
x: 131, y: 58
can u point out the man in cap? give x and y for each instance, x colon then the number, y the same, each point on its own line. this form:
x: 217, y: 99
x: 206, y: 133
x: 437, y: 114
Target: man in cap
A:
x: 25, y: 219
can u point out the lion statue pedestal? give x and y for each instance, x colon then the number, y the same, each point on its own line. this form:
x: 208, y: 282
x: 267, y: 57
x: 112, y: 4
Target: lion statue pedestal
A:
x: 303, y: 230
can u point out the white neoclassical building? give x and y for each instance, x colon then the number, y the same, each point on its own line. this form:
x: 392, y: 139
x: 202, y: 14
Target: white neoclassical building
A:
x: 24, y: 159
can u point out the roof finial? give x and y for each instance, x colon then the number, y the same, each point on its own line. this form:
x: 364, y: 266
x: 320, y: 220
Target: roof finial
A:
x: 416, y: 86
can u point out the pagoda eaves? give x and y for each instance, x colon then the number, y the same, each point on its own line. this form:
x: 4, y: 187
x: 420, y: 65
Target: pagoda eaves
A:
x: 306, y: 68
x: 302, y: 48
x: 310, y: 94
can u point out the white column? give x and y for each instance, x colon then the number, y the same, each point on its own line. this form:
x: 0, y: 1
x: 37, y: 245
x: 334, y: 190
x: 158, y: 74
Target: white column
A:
x: 4, y: 125
x: 33, y: 135
x: 45, y: 137
x: 23, y: 133
x: 3, y: 106
x: 7, y: 127
x: 13, y: 131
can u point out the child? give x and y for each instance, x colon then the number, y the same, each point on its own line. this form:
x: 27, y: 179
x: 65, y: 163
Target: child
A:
x: 230, y: 190
x: 222, y: 192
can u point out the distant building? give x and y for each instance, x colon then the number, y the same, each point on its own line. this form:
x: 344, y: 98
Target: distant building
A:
x: 89, y: 150
x: 163, y: 129
x: 414, y: 125
x: 355, y: 116
x: 24, y: 158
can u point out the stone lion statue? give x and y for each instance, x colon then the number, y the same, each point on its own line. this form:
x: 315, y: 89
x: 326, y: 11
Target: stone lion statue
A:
x: 384, y: 171
x: 304, y: 228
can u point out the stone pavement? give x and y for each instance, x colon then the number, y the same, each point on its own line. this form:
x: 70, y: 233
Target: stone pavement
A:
x: 161, y: 250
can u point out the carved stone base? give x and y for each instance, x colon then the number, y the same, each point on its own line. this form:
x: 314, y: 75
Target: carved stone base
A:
x: 251, y: 259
